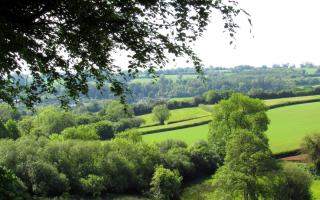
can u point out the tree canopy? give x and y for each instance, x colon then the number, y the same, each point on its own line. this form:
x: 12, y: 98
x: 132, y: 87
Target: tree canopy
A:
x: 48, y: 44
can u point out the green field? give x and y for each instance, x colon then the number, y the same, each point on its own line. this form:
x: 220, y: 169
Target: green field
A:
x: 189, y: 135
x: 290, y: 124
x: 315, y: 189
x: 287, y: 128
x: 177, y: 115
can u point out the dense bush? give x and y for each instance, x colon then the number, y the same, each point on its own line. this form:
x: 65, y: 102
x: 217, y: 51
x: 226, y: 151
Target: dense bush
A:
x: 296, y: 183
x: 165, y: 184
x: 104, y: 129
x: 128, y: 123
x: 82, y: 132
x: 10, y: 186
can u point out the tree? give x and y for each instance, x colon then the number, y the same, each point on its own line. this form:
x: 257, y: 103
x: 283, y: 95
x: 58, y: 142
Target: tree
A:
x: 3, y: 131
x: 311, y: 146
x: 161, y: 113
x: 12, y: 129
x: 165, y: 184
x: 93, y: 185
x: 247, y: 167
x: 238, y: 112
x: 53, y: 120
x: 72, y: 42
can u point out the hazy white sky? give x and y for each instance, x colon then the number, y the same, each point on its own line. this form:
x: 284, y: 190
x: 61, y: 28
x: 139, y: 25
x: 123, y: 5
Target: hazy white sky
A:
x: 283, y: 31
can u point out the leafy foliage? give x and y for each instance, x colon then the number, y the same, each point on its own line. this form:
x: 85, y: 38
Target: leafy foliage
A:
x: 161, y: 113
x: 165, y: 184
x: 238, y: 112
x: 58, y: 44
x: 10, y: 186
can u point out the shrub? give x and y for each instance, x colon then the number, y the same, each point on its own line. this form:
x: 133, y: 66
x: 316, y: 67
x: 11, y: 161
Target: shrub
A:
x: 46, y: 180
x: 132, y: 135
x: 104, y: 129
x: 82, y: 132
x: 10, y: 186
x: 166, y: 145
x: 311, y: 146
x: 93, y: 185
x: 295, y: 185
x: 128, y: 123
x: 204, y: 157
x: 165, y: 184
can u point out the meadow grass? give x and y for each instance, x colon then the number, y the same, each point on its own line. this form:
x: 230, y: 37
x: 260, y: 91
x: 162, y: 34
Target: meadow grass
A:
x: 315, y: 190
x: 177, y: 115
x: 189, y: 135
x: 288, y: 126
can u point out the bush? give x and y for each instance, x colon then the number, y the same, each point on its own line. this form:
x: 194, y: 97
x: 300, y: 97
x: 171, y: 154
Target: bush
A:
x: 93, y: 185
x: 166, y: 145
x: 128, y: 123
x: 104, y: 129
x: 12, y: 129
x: 131, y: 135
x: 10, y: 186
x: 204, y: 158
x: 311, y: 146
x: 46, y: 180
x: 82, y: 132
x: 179, y: 159
x: 296, y: 183
x: 165, y: 184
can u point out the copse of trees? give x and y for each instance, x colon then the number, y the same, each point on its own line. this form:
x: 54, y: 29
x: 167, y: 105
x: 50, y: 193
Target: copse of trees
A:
x: 49, y: 167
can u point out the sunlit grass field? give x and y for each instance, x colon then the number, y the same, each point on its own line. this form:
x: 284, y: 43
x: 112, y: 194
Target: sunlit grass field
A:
x: 288, y: 127
x: 177, y: 115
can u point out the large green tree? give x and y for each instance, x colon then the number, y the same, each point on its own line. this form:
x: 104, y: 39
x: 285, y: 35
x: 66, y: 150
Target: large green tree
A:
x: 247, y: 168
x: 68, y: 42
x: 238, y: 112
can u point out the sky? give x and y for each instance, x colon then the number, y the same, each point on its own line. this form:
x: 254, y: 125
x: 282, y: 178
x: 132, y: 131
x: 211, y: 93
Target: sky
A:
x: 283, y: 31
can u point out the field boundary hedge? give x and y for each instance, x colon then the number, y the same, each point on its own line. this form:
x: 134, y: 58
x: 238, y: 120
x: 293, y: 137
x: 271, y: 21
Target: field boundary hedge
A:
x: 183, y: 120
x: 286, y: 153
x: 293, y: 103
x: 177, y: 127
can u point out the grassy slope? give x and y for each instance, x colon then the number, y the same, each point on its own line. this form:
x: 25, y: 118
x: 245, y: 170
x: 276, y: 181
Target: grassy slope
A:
x: 177, y: 115
x: 288, y: 126
x: 315, y: 189
x: 189, y: 135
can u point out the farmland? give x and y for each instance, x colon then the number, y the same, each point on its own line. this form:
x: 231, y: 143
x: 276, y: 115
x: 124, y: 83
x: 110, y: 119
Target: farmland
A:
x: 178, y: 115
x: 288, y: 126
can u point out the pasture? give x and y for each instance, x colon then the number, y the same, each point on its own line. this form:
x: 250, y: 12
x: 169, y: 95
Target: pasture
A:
x: 288, y: 126
x: 177, y: 115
